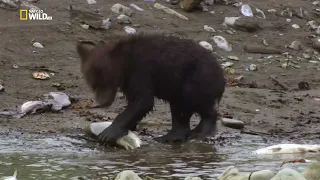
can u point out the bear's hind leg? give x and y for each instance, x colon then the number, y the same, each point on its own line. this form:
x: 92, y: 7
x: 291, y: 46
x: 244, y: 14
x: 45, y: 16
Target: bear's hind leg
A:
x: 207, y: 125
x: 180, y: 125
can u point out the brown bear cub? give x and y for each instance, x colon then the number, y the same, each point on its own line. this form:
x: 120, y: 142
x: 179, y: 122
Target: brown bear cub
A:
x: 145, y: 67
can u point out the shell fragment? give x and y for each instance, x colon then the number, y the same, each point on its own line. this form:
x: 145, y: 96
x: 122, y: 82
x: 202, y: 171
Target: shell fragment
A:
x: 40, y: 75
x: 222, y: 43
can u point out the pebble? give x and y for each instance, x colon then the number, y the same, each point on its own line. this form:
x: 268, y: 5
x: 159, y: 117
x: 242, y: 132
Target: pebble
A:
x: 192, y: 178
x: 234, y: 58
x: 272, y: 10
x: 222, y: 43
x: 37, y: 45
x: 189, y: 5
x: 124, y: 19
x: 312, y: 24
x: 244, y: 23
x: 311, y: 172
x: 286, y: 13
x: 169, y: 11
x: 314, y: 62
x: 84, y: 26
x: 289, y: 174
x: 121, y: 9
x: 232, y: 123
x: 1, y: 88
x: 232, y: 173
x: 208, y: 28
x: 130, y: 30
x: 316, y: 44
x: 206, y: 45
x: 209, y: 2
x: 106, y: 24
x: 316, y: 3
x: 226, y: 64
x: 136, y: 7
x: 296, y: 45
x: 253, y: 67
x: 295, y: 26
x: 127, y: 175
x: 91, y: 2
x: 262, y: 175
x: 246, y: 10
x: 262, y: 50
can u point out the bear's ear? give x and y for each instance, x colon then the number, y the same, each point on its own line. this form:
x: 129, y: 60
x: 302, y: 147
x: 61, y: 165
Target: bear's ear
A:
x: 84, y: 48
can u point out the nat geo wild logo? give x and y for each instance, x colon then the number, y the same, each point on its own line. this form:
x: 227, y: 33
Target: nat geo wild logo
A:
x: 34, y: 14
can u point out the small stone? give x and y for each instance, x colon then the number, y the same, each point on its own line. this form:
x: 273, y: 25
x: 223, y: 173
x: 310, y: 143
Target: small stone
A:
x: 253, y: 67
x: 306, y: 55
x: 106, y: 23
x: 189, y: 5
x: 91, y: 2
x: 130, y: 30
x: 316, y: 3
x: 232, y: 123
x: 124, y: 19
x: 288, y: 174
x: 314, y: 62
x: 234, y: 58
x: 230, y: 32
x: 222, y: 43
x: 121, y: 9
x: 311, y: 172
x: 296, y: 45
x: 249, y: 24
x: 37, y: 45
x: 209, y: 2
x: 261, y: 175
x: 15, y: 66
x: 264, y: 42
x: 295, y: 26
x: 208, y: 28
x: 316, y: 44
x: 84, y: 26
x: 226, y: 64
x: 286, y: 13
x: 204, y: 7
x: 127, y: 175
x: 206, y: 45
x: 136, y: 25
x: 303, y: 85
x: 272, y: 10
x: 1, y: 88
x: 192, y: 178
x: 312, y: 24
x: 239, y: 78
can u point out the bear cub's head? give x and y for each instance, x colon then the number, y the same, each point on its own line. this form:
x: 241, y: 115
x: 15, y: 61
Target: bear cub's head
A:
x: 96, y: 67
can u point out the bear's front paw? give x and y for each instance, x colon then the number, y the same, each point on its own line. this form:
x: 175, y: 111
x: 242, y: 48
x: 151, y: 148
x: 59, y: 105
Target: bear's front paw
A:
x: 111, y: 134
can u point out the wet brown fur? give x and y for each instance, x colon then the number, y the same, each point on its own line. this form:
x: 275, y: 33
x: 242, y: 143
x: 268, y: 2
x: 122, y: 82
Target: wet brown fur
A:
x: 176, y: 70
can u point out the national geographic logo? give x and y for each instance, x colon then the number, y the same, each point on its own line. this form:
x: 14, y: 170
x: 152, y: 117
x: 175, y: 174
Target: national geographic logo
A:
x: 34, y: 14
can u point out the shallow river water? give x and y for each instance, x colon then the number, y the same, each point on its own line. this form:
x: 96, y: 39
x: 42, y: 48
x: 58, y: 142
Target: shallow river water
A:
x: 62, y: 157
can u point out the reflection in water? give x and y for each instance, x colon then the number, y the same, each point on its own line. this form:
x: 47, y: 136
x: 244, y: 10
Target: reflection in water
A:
x: 64, y: 158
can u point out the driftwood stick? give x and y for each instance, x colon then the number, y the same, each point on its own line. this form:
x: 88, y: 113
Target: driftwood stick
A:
x: 285, y: 87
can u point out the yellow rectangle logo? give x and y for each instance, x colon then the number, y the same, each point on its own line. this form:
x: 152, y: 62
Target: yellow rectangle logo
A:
x: 23, y: 15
